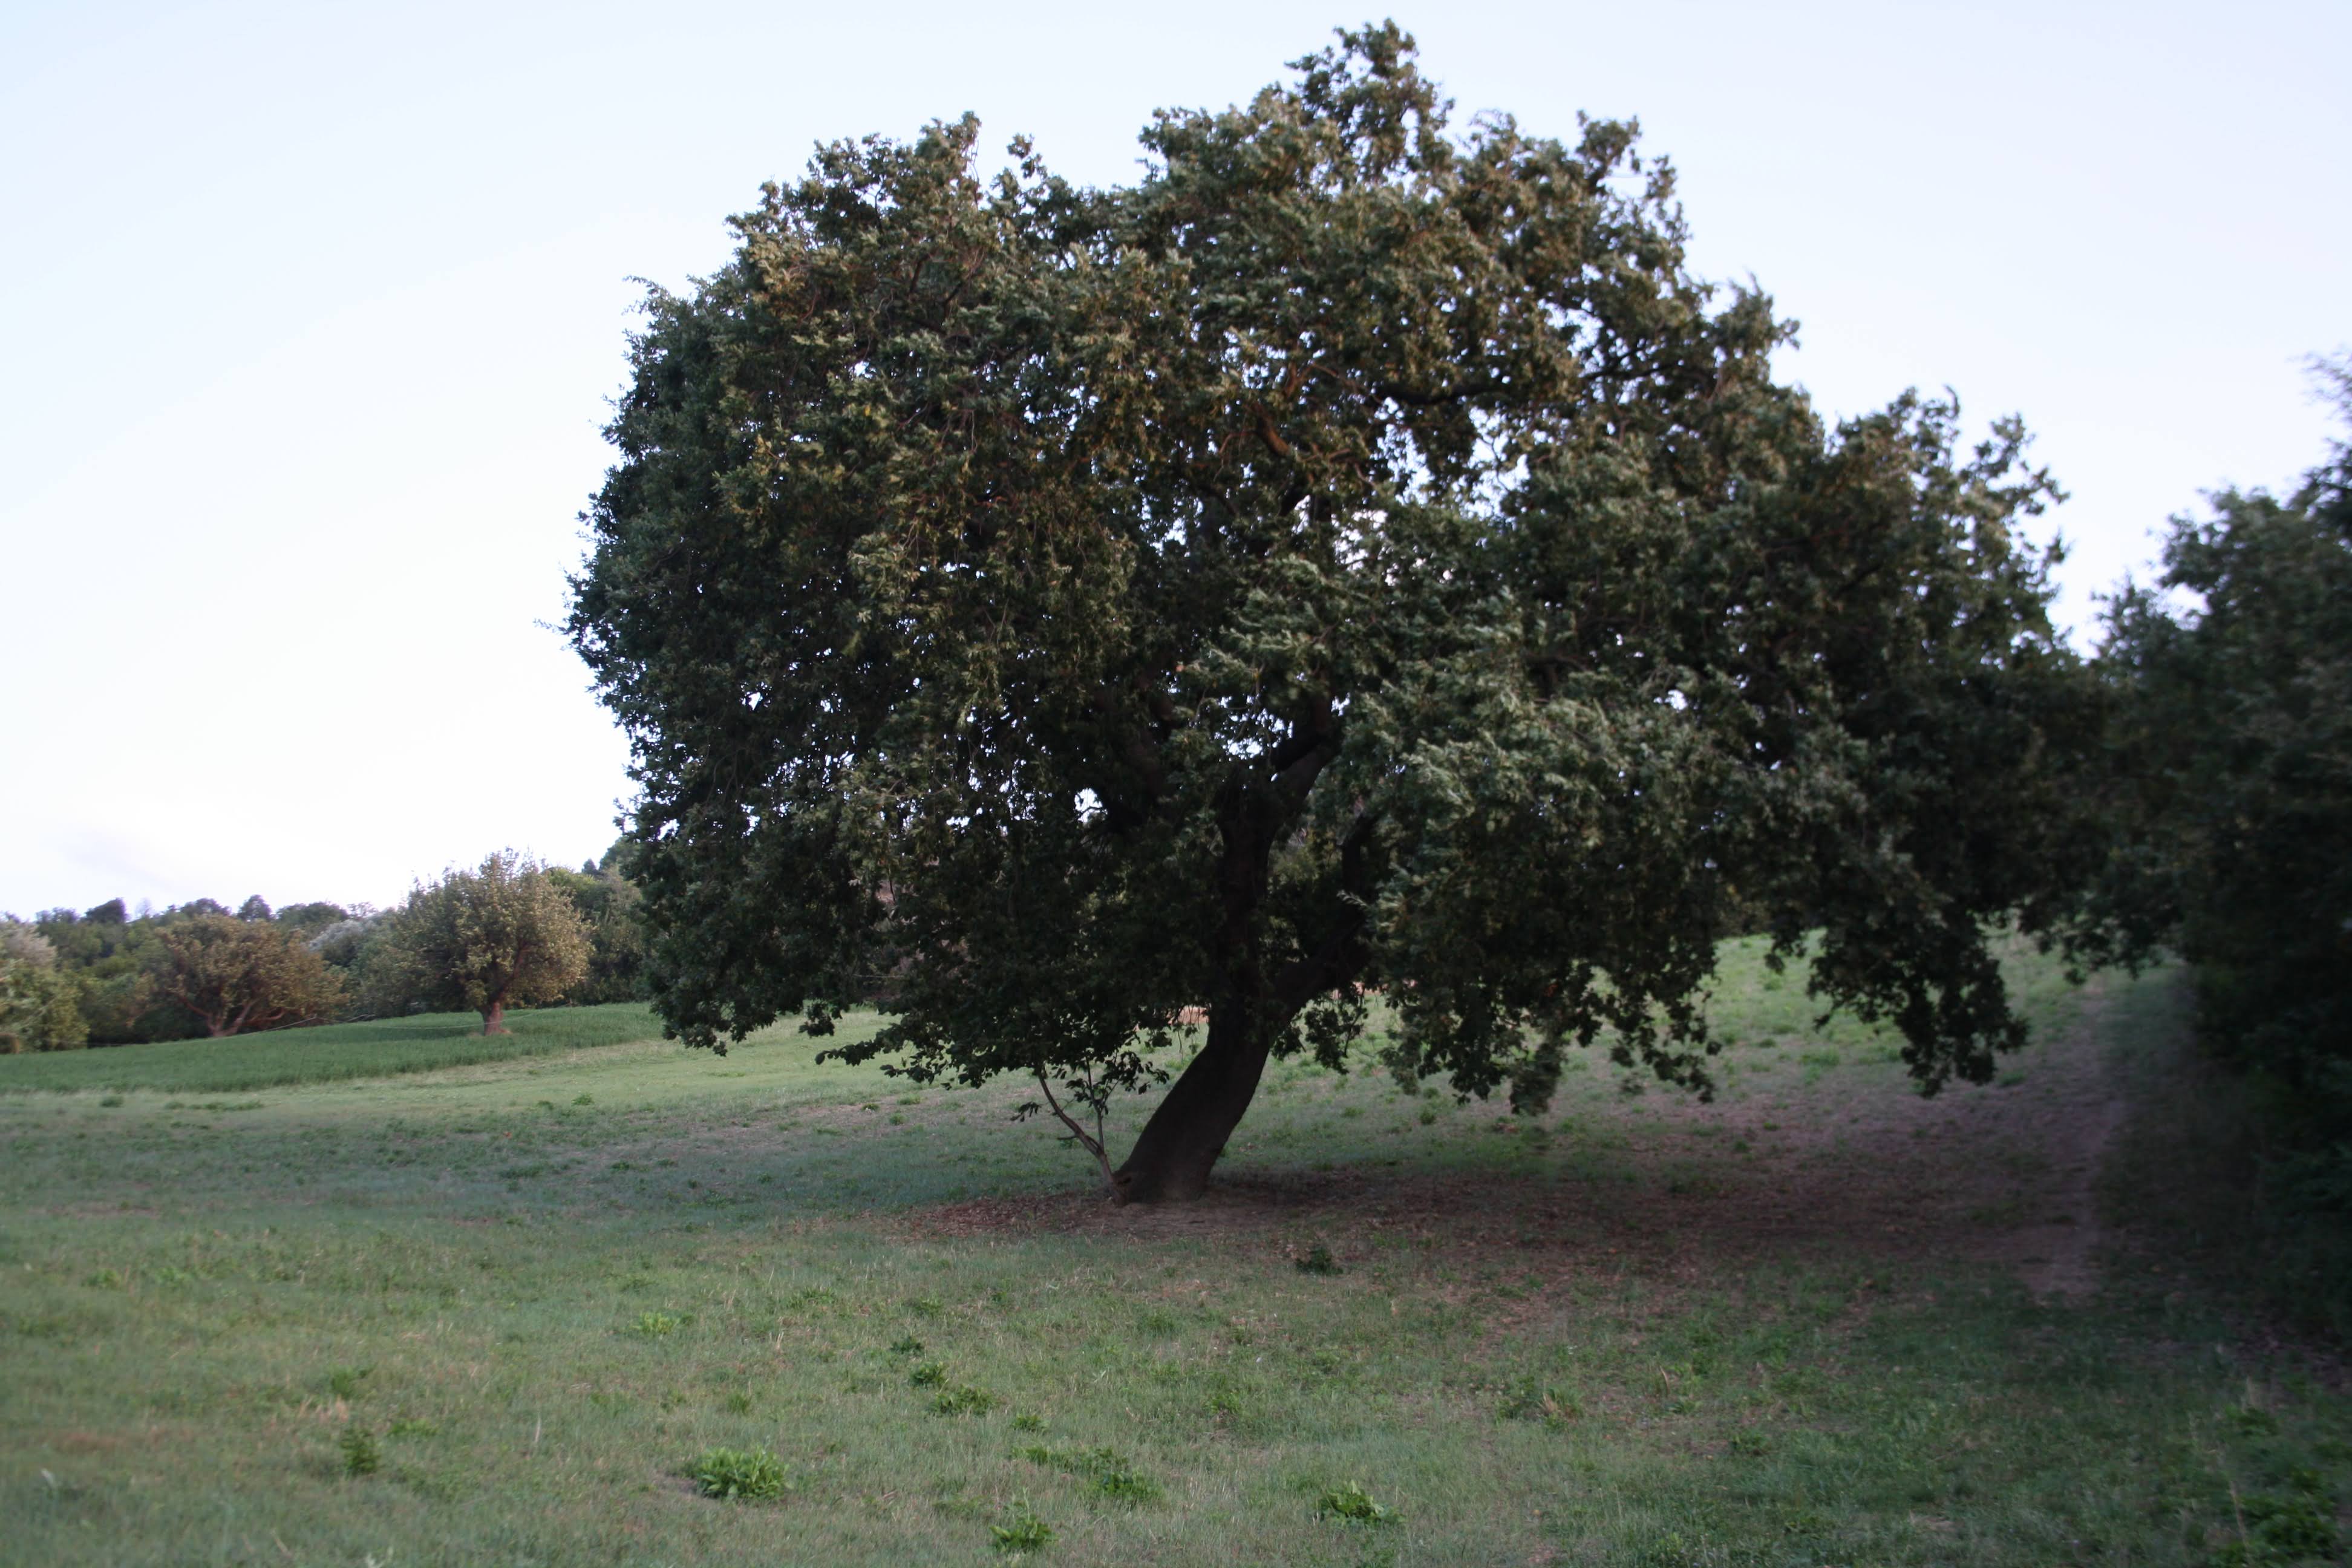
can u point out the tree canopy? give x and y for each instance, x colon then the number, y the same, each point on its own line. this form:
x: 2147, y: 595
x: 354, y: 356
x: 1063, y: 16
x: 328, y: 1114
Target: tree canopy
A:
x: 1359, y: 554
x: 2233, y: 768
x: 234, y: 974
x: 607, y: 902
x: 501, y: 934
x: 37, y: 1011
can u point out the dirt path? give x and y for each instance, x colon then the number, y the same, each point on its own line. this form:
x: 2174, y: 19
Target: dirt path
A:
x: 1851, y: 1163
x: 2058, y: 1255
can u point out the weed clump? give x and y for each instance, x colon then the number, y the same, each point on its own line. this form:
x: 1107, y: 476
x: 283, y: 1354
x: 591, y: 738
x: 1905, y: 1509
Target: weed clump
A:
x: 1021, y: 1531
x: 964, y: 1400
x: 1351, y: 1504
x: 929, y: 1374
x: 343, y: 1382
x: 2297, y: 1528
x: 1317, y: 1260
x: 2252, y: 1421
x: 363, y: 1455
x: 653, y: 1325
x: 1107, y: 1472
x: 739, y: 1475
x: 1527, y: 1400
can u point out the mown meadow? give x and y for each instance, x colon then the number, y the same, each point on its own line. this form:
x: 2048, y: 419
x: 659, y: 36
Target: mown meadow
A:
x: 399, y: 1307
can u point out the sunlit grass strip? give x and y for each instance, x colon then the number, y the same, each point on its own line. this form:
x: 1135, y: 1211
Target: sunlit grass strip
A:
x: 331, y: 1052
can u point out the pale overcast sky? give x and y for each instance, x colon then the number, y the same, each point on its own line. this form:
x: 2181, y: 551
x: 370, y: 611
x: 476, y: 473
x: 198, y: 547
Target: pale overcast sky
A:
x: 312, y: 314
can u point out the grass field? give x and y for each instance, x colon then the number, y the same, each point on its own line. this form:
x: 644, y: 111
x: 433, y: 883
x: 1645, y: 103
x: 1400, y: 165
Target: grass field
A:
x: 377, y: 1049
x: 1821, y: 1320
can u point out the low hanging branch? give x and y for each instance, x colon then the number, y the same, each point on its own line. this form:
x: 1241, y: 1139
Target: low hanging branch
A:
x: 1092, y: 1143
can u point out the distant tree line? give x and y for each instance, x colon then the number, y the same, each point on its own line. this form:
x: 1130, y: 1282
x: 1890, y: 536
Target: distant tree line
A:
x: 508, y: 933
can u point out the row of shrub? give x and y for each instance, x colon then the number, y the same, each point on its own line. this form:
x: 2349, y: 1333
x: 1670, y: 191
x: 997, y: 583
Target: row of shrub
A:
x: 109, y: 976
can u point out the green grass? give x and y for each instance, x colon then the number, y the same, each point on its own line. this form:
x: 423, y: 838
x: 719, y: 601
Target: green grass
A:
x: 377, y: 1049
x: 1564, y: 1339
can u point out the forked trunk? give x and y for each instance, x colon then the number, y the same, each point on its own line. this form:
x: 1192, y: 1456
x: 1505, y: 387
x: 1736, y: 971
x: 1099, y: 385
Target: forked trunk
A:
x: 1180, y: 1145
x: 494, y: 1019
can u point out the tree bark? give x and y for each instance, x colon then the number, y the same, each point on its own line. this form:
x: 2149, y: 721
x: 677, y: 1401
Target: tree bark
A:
x: 1178, y: 1146
x: 494, y: 1018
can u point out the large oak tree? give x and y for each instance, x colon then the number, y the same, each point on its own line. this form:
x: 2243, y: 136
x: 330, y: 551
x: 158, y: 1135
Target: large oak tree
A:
x: 1360, y: 554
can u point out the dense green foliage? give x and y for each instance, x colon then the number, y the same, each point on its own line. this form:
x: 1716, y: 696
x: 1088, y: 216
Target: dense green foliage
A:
x: 233, y: 973
x: 330, y: 1053
x: 109, y: 976
x: 1357, y: 555
x: 2233, y: 765
x: 37, y: 1004
x: 609, y: 904
x: 133, y: 976
x: 2229, y: 809
x: 110, y: 957
x: 501, y: 934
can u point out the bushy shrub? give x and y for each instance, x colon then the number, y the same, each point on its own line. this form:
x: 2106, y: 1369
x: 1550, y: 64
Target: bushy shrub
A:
x: 38, y: 1004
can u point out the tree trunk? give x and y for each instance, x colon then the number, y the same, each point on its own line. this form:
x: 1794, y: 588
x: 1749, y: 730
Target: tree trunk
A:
x: 1178, y: 1146
x: 494, y: 1019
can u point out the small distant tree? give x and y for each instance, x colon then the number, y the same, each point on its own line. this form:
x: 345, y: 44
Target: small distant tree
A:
x: 237, y: 975
x: 37, y: 1000
x: 482, y: 939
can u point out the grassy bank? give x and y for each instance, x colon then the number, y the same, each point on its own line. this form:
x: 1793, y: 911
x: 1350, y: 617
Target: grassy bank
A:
x: 1814, y: 1322
x: 379, y: 1047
